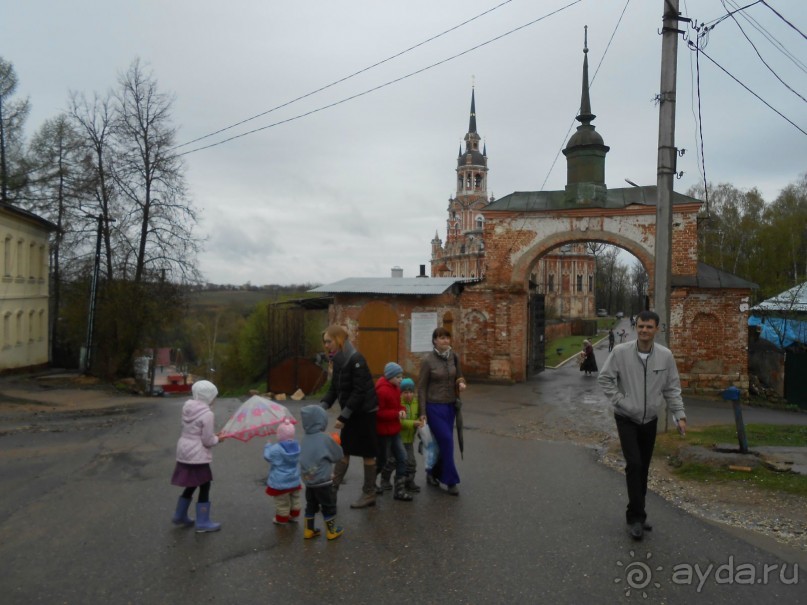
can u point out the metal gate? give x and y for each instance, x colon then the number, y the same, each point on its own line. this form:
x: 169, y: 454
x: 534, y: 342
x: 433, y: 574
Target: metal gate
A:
x: 536, y: 343
x: 289, y: 367
x: 796, y: 378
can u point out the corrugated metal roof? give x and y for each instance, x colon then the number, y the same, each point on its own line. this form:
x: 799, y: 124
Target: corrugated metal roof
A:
x: 712, y: 277
x: 620, y: 197
x: 793, y: 300
x: 405, y: 286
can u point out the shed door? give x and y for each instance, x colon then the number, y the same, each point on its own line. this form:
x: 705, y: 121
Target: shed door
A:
x: 378, y: 335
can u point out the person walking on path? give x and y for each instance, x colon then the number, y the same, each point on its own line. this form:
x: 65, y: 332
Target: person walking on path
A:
x: 352, y: 385
x: 639, y: 378
x: 439, y: 385
x: 283, y: 483
x: 388, y: 423
x: 318, y: 453
x: 611, y: 339
x: 194, y: 456
x: 589, y: 365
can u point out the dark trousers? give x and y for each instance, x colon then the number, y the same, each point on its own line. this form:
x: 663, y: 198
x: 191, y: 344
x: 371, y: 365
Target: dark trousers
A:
x: 320, y: 497
x: 637, y: 441
x: 391, y: 449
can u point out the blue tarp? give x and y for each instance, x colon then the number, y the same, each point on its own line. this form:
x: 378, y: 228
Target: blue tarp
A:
x: 779, y: 331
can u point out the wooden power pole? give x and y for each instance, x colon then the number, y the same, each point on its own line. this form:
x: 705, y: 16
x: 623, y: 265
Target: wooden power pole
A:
x: 667, y: 155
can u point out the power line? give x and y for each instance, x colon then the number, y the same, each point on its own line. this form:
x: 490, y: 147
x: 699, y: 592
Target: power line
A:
x: 384, y: 85
x: 772, y: 39
x: 749, y: 90
x: 339, y: 81
x: 765, y: 63
x: 783, y: 19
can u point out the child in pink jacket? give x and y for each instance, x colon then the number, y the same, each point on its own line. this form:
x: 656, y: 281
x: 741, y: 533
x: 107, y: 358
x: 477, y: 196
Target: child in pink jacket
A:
x: 194, y: 457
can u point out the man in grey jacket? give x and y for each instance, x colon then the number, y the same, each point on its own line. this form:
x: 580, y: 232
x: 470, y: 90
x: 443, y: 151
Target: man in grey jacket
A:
x: 640, y: 378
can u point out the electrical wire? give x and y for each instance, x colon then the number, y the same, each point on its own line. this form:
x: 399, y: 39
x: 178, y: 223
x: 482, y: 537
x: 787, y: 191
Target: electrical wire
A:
x: 765, y: 63
x: 385, y: 84
x: 724, y: 70
x: 772, y: 39
x: 340, y: 80
x: 700, y: 128
x: 783, y: 19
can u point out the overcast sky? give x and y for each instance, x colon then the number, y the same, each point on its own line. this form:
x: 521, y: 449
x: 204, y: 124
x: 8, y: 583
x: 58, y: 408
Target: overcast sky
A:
x: 355, y: 189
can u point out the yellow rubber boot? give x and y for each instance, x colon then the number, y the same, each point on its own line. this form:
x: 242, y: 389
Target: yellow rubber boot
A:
x: 310, y: 531
x: 332, y: 530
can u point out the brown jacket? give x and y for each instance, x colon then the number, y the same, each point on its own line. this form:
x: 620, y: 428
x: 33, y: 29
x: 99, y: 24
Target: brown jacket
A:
x: 438, y: 379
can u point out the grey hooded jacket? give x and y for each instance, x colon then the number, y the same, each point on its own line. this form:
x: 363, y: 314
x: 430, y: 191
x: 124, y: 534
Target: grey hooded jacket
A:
x: 318, y: 451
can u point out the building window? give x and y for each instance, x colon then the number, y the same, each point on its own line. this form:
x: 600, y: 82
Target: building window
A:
x: 42, y: 326
x: 480, y: 222
x: 591, y: 283
x: 20, y: 258
x: 7, y: 257
x: 550, y: 286
x: 18, y: 335
x: 7, y: 330
x: 31, y: 326
x: 477, y: 181
x: 579, y: 283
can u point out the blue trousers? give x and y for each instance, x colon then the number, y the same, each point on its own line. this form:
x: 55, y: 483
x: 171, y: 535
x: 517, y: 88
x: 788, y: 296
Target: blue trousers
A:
x: 390, y: 447
x: 441, y: 418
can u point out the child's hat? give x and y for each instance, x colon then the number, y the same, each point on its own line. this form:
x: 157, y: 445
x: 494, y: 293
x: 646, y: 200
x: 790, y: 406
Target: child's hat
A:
x: 391, y: 370
x: 407, y: 384
x: 285, y: 430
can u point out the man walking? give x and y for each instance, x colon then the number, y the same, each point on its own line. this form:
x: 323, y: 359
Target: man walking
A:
x: 638, y: 378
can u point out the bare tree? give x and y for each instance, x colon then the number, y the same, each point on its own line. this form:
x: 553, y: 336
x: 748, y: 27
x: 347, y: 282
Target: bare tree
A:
x: 157, y: 224
x: 94, y: 119
x: 12, y: 118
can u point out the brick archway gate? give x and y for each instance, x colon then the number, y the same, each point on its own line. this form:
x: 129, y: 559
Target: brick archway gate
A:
x: 519, y: 231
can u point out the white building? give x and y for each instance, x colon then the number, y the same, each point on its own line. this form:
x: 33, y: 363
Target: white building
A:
x: 24, y: 283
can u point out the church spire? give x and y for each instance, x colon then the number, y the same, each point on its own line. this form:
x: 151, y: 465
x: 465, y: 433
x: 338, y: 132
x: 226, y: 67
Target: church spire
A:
x: 585, y: 152
x: 585, y: 116
x: 472, y: 122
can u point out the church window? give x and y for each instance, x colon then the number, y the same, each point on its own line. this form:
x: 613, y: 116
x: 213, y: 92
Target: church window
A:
x: 477, y: 180
x: 468, y: 181
x: 579, y: 283
x: 480, y: 222
x: 550, y: 285
x: 590, y: 283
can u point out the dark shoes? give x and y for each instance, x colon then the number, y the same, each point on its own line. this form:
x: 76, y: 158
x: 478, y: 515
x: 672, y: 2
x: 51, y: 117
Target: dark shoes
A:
x: 431, y: 480
x: 637, y: 530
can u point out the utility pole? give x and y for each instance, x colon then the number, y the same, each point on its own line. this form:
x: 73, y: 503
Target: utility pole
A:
x: 667, y: 155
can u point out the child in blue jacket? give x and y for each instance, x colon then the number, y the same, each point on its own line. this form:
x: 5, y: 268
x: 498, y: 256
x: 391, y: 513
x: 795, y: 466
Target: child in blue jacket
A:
x: 283, y: 482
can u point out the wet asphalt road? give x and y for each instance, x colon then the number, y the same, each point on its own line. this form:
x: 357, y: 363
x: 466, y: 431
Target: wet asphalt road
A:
x: 85, y: 518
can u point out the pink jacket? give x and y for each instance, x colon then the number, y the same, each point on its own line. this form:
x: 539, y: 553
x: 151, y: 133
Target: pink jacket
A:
x: 198, y: 435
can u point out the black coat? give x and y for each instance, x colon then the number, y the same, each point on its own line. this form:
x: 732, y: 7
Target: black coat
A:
x: 352, y: 384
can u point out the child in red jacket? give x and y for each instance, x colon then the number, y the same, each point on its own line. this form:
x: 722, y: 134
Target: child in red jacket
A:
x: 388, y: 426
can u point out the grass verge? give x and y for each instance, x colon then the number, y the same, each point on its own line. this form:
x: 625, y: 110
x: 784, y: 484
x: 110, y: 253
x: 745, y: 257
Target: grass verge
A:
x: 669, y: 446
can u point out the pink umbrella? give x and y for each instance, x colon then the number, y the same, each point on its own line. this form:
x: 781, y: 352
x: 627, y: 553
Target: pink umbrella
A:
x: 257, y: 417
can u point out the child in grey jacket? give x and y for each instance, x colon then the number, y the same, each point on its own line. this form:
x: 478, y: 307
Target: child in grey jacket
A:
x: 318, y: 453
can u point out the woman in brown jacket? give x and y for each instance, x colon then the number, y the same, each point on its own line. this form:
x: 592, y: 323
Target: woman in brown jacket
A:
x: 439, y: 383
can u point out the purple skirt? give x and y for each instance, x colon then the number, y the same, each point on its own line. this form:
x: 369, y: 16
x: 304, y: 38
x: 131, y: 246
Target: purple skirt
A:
x: 191, y: 475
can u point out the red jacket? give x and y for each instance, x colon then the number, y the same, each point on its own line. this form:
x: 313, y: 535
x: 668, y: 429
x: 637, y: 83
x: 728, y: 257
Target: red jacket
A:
x: 388, y: 420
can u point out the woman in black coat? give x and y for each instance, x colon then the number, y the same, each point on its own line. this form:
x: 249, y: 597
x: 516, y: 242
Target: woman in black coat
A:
x: 352, y: 385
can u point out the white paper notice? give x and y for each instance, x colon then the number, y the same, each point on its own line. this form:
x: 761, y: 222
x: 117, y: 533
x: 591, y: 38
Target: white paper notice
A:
x: 423, y: 324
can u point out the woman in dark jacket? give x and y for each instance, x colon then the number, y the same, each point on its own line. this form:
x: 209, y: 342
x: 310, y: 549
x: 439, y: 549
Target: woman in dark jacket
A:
x: 352, y: 385
x: 589, y: 365
x: 439, y: 384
